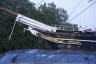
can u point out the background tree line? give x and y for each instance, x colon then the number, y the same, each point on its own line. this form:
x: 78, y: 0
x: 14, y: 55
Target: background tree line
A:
x: 47, y: 13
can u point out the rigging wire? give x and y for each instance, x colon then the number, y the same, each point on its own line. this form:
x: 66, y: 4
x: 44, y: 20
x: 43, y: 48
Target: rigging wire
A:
x: 82, y: 11
x: 12, y: 30
x: 40, y: 2
x: 77, y: 5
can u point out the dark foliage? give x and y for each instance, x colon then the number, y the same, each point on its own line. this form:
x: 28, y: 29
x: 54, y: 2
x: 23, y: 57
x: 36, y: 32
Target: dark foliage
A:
x: 46, y: 13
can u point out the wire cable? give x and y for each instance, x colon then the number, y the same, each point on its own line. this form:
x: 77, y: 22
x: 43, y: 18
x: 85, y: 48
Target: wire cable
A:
x: 77, y: 5
x: 12, y: 30
x: 82, y: 11
x: 39, y: 2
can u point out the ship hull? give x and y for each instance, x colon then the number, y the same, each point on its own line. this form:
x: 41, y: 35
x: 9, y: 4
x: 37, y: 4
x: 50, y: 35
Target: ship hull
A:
x: 70, y: 40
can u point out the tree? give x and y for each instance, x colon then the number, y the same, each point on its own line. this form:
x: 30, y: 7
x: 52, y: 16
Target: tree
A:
x: 52, y: 15
x: 19, y: 39
x: 48, y: 14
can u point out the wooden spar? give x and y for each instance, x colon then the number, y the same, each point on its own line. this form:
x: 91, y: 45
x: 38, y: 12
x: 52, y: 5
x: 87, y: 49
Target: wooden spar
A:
x: 9, y: 12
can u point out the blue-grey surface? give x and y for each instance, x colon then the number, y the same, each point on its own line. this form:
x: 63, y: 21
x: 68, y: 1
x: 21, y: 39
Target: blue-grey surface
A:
x: 48, y: 56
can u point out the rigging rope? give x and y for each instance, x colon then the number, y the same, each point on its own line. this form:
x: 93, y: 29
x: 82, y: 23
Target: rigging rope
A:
x: 39, y: 2
x: 75, y: 7
x: 12, y: 30
x: 82, y: 11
